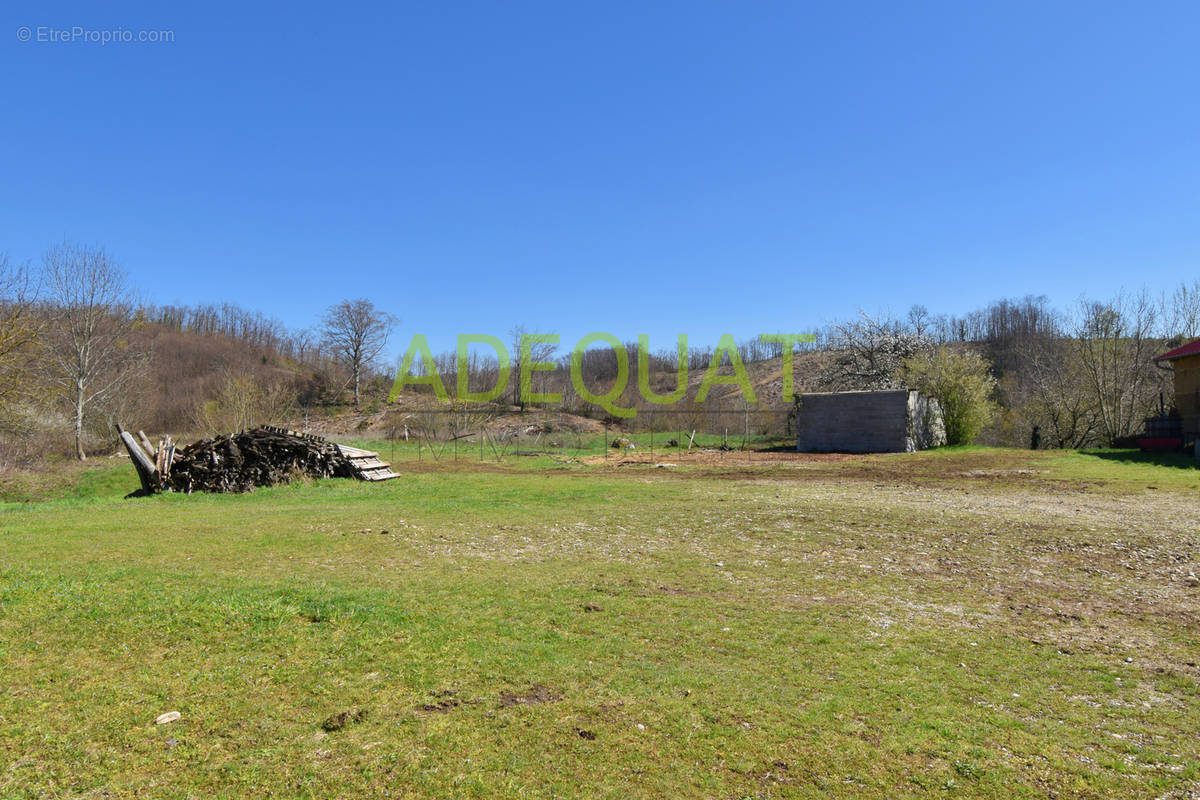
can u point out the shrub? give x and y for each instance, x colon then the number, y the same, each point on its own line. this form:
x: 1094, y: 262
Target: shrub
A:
x: 962, y: 383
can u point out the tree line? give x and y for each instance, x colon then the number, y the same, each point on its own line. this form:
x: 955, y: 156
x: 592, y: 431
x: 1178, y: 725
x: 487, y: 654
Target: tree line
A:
x: 1018, y: 372
x: 1024, y: 373
x: 78, y: 351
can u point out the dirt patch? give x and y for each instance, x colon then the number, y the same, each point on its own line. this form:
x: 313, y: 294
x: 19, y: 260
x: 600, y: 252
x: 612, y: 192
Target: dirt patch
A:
x: 1001, y: 468
x: 344, y: 718
x: 700, y: 457
x: 530, y: 697
x: 441, y: 706
x: 444, y: 701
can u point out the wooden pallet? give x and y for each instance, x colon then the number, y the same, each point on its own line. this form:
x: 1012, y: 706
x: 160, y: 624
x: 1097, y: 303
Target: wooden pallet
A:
x: 367, y: 465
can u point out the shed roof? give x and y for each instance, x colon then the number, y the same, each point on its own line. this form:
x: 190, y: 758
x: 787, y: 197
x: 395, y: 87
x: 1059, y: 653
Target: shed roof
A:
x: 1192, y: 348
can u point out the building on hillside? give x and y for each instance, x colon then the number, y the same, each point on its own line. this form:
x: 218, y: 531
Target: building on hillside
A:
x: 897, y: 421
x: 1185, y: 361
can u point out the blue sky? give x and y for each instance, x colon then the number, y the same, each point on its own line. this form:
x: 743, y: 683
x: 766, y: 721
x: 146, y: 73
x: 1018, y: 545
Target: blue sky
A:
x: 644, y: 167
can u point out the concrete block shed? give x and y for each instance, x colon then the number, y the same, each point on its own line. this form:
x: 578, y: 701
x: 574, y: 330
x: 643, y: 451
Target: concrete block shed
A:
x: 893, y: 421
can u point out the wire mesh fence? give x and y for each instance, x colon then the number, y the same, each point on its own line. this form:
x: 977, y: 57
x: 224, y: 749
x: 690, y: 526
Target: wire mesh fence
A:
x: 487, y: 435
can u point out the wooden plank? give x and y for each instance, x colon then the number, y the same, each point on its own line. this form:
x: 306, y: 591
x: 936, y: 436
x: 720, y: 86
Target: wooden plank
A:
x: 147, y: 474
x: 355, y: 452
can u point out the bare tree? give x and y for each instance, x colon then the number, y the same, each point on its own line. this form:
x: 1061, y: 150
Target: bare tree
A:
x: 920, y: 320
x: 538, y: 352
x: 91, y: 356
x: 1181, y: 313
x: 356, y: 333
x: 244, y: 400
x: 1056, y: 396
x: 18, y: 328
x: 1114, y: 343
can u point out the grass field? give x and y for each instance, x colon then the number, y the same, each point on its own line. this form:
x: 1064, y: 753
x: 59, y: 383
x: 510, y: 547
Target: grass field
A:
x: 963, y: 623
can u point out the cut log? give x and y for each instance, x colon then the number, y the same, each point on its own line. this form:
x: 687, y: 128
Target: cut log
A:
x: 147, y: 474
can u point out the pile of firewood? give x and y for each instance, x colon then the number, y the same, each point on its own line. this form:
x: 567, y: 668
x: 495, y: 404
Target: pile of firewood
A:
x: 240, y: 461
x: 236, y: 462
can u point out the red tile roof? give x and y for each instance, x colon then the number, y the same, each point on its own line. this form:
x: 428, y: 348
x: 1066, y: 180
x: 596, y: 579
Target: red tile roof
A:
x: 1192, y: 348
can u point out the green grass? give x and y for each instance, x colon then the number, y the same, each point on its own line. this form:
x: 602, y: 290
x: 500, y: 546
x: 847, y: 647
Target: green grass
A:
x: 967, y: 623
x: 1130, y: 463
x: 69, y: 481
